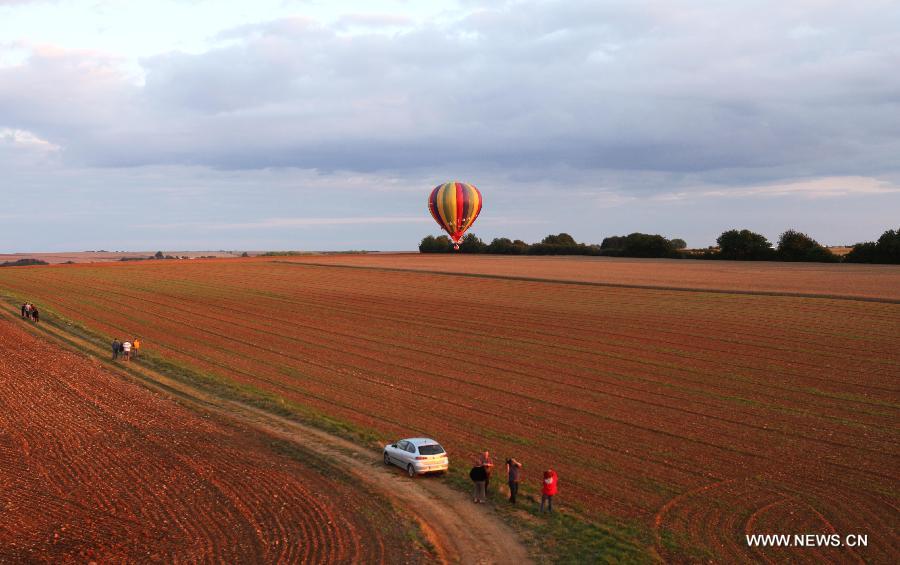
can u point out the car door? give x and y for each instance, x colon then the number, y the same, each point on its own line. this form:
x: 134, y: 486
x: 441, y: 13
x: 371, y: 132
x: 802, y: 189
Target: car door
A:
x: 399, y: 455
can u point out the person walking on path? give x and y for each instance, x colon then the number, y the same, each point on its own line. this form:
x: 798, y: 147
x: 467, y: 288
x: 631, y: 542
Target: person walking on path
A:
x: 513, y: 475
x: 116, y: 348
x: 549, y: 489
x: 479, y: 477
x: 35, y: 315
x: 126, y: 350
x: 24, y: 309
x: 135, y: 347
x: 28, y: 308
x: 488, y: 464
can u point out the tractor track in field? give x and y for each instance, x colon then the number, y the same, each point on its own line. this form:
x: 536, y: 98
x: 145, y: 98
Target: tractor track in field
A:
x: 460, y: 531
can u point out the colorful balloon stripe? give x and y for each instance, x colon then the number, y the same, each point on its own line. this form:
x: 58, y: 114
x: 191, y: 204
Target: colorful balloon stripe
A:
x: 454, y: 206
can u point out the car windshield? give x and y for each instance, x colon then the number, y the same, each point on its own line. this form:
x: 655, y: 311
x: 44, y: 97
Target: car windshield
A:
x: 433, y: 449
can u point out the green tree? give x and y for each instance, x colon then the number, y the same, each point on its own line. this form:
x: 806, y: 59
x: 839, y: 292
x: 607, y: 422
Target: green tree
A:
x: 471, y: 243
x: 638, y: 245
x: 797, y: 246
x: 866, y: 252
x: 431, y: 244
x: 612, y: 242
x: 679, y: 243
x: 744, y: 245
x: 648, y: 245
x: 885, y: 250
x: 521, y: 246
x: 559, y: 239
x: 888, y: 247
x: 505, y: 246
x: 159, y: 255
x: 560, y: 244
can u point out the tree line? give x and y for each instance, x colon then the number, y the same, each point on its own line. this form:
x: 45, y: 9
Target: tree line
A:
x: 735, y: 245
x: 23, y: 262
x: 633, y: 245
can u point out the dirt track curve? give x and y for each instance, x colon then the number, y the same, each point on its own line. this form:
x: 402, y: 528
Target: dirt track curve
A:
x: 460, y: 531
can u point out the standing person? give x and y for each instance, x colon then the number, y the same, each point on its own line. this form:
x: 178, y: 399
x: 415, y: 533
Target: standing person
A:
x: 135, y: 347
x: 479, y: 477
x: 513, y: 471
x: 28, y: 308
x: 549, y: 489
x: 35, y: 315
x: 24, y: 307
x: 116, y: 348
x: 126, y: 350
x: 488, y: 464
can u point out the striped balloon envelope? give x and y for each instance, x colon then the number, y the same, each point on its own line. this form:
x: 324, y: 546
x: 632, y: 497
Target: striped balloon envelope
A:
x: 454, y: 206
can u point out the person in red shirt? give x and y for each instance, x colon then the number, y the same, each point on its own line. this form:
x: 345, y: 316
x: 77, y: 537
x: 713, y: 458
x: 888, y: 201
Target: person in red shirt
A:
x: 549, y: 489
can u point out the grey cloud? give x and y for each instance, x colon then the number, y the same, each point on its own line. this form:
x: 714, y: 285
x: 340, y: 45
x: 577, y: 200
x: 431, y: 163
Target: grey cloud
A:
x: 717, y: 93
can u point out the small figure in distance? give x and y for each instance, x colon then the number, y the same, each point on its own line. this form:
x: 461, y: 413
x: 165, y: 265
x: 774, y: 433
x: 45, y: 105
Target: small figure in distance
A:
x: 513, y: 471
x: 479, y: 477
x: 549, y: 489
x: 116, y: 348
x: 135, y: 347
x: 488, y: 464
x: 126, y: 350
x: 28, y: 307
x: 35, y: 315
x: 24, y: 308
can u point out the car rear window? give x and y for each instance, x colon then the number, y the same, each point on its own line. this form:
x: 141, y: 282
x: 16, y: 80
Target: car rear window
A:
x: 433, y: 449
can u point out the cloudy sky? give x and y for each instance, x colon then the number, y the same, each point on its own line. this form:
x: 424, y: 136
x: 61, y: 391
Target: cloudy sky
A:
x: 316, y: 124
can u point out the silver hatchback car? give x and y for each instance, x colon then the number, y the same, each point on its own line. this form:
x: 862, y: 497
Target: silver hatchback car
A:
x: 418, y: 455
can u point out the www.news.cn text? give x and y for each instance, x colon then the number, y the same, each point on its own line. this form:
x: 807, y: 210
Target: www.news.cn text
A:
x: 807, y: 540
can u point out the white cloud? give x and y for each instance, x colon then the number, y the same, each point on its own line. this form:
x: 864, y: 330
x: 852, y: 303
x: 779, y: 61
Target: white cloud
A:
x: 25, y: 140
x: 827, y: 187
x: 373, y: 21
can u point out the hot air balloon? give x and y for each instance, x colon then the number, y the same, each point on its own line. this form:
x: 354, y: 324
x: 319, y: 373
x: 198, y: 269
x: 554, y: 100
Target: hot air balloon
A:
x: 454, y: 206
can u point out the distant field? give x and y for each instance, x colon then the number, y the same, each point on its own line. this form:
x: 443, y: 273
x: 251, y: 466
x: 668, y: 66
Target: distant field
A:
x: 102, y: 256
x: 879, y: 281
x: 96, y: 469
x: 693, y: 417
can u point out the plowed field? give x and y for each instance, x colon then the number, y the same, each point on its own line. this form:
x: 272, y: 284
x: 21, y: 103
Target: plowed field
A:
x: 864, y: 281
x: 93, y: 468
x: 697, y: 416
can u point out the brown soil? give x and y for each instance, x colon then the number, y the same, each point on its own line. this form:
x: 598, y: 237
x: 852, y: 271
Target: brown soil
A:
x: 458, y: 531
x: 661, y: 394
x: 94, y: 468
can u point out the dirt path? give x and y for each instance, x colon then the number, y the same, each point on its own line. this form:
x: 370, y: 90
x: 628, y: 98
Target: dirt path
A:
x: 460, y: 531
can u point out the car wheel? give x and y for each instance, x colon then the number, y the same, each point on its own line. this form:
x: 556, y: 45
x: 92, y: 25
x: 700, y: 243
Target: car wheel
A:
x: 411, y: 471
x: 387, y: 459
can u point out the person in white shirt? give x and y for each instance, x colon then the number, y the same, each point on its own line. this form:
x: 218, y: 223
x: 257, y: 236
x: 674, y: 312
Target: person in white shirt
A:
x: 126, y: 350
